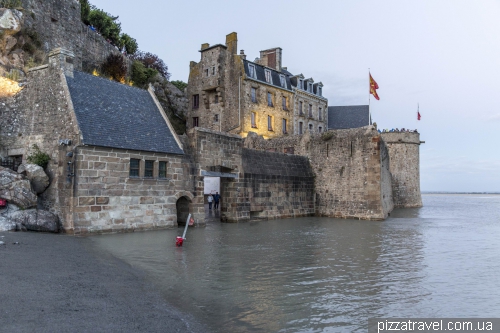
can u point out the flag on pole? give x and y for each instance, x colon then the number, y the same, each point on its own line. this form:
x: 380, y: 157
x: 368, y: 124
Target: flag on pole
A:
x: 373, y: 88
x: 418, y: 115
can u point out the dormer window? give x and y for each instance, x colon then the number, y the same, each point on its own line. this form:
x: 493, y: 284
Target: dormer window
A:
x: 309, y: 87
x: 301, y: 84
x: 283, y: 81
x: 251, y: 71
x: 320, y: 92
x: 268, y: 76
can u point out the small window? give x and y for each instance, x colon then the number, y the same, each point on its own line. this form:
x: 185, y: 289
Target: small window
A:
x: 309, y: 87
x: 216, y: 99
x: 213, y: 70
x: 196, y: 101
x: 301, y: 84
x: 320, y: 91
x: 216, y: 118
x: 269, y: 99
x: 320, y: 129
x: 195, y: 121
x: 134, y: 167
x: 254, y: 120
x: 283, y: 100
x: 320, y: 114
x: 310, y: 128
x: 251, y: 71
x: 269, y: 123
x: 206, y: 72
x: 284, y: 126
x: 310, y: 111
x: 300, y: 109
x: 253, y: 93
x: 162, y: 169
x: 283, y: 81
x: 148, y: 169
x: 268, y: 76
x: 300, y: 128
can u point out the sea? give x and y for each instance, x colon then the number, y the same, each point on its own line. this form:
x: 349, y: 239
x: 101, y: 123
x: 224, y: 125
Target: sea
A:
x: 318, y: 274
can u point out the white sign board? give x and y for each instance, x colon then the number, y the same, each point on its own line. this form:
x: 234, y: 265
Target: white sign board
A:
x: 212, y: 185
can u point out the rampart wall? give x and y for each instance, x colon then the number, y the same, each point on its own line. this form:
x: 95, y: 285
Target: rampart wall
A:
x: 404, y: 151
x: 351, y: 167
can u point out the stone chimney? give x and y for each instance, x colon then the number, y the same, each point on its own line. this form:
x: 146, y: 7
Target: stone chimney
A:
x: 62, y: 58
x: 232, y: 43
x: 205, y: 46
x: 242, y: 54
x: 271, y: 58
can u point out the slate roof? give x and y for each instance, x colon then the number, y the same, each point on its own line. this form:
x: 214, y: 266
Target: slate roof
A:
x: 261, y: 76
x: 115, y: 115
x: 350, y: 116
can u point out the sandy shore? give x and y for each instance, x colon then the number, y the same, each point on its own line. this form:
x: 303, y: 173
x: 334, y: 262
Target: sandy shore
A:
x: 59, y: 283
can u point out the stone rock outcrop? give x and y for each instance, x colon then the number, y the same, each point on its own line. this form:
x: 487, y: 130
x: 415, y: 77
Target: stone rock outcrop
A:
x: 35, y: 174
x: 10, y: 21
x: 35, y: 220
x: 16, y: 189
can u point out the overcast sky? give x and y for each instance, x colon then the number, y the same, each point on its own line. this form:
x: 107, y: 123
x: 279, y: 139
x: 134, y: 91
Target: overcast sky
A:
x: 442, y: 54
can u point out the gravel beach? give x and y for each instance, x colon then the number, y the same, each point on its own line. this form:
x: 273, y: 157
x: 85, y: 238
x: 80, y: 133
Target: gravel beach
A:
x: 59, y: 283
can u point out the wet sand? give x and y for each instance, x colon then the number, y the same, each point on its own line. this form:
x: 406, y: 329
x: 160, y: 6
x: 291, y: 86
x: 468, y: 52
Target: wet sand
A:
x: 59, y: 283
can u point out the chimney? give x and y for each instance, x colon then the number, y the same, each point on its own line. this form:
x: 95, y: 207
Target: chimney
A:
x: 271, y: 58
x: 242, y: 54
x: 205, y: 46
x: 62, y: 58
x: 232, y: 43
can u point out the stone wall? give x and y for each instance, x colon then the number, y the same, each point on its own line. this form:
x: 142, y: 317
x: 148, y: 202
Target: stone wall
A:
x: 351, y: 169
x: 42, y: 114
x: 108, y: 199
x: 404, y: 152
x: 265, y: 184
x: 58, y: 24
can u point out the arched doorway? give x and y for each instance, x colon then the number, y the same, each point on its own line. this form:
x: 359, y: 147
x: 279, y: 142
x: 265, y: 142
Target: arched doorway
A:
x: 182, y: 207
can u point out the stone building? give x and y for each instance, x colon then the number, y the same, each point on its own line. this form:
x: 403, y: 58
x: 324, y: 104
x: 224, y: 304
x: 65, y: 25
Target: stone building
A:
x: 116, y: 163
x: 229, y: 93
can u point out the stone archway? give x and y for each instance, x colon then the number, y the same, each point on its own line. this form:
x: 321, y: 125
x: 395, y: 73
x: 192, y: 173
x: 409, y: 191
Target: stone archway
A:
x: 183, y: 203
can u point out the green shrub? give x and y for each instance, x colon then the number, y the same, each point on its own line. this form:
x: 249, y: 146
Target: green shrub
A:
x: 85, y: 11
x: 105, y: 24
x: 150, y: 60
x: 38, y: 157
x: 129, y: 43
x: 11, y: 4
x: 141, y: 75
x: 179, y: 84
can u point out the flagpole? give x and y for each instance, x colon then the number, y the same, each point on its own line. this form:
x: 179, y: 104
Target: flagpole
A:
x: 369, y: 87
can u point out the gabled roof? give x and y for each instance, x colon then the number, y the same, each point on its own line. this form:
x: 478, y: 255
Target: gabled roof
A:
x: 115, y: 115
x: 261, y: 76
x: 350, y: 116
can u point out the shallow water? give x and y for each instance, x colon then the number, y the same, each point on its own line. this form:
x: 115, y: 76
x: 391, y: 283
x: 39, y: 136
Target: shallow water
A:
x: 328, y: 275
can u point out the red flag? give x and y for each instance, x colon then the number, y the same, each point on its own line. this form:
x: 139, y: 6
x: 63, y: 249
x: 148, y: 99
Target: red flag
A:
x: 418, y: 115
x: 373, y: 88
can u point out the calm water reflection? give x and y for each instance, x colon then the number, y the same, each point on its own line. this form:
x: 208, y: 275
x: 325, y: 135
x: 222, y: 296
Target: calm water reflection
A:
x: 328, y: 275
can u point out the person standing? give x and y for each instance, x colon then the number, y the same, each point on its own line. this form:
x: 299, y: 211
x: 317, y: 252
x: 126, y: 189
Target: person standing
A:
x: 210, y: 199
x: 216, y: 200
